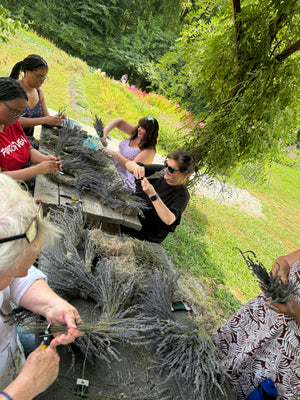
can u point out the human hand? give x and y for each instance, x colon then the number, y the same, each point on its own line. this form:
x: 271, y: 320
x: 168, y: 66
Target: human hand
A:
x: 147, y: 187
x: 53, y: 120
x: 108, y: 152
x: 52, y: 157
x: 103, y: 140
x: 48, y: 166
x: 138, y: 172
x: 63, y: 312
x: 290, y: 308
x: 39, y: 372
x: 61, y: 115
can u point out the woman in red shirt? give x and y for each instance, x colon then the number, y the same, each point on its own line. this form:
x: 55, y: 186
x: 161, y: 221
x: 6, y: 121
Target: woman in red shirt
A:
x: 15, y: 149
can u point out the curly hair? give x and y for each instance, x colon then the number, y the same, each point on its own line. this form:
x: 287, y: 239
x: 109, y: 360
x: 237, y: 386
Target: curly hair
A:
x: 30, y: 63
x: 10, y: 89
x: 149, y: 140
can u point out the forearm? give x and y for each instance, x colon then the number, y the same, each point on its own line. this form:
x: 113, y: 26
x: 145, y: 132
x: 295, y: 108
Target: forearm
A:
x: 121, y: 159
x: 114, y: 123
x: 163, y: 212
x: 130, y: 166
x: 36, y: 157
x: 30, y: 122
x: 120, y: 124
x: 39, y: 298
x: 284, y: 263
x: 20, y: 389
x: 23, y: 174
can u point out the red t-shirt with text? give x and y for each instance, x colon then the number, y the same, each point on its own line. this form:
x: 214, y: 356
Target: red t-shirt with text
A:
x: 14, y: 148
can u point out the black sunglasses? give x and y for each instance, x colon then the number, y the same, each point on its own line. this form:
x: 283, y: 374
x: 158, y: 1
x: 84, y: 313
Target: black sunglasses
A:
x: 170, y: 169
x: 31, y: 231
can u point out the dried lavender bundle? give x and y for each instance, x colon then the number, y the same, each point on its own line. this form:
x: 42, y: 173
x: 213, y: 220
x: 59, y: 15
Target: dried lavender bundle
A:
x: 157, y: 298
x: 271, y: 284
x: 146, y: 256
x: 128, y: 204
x: 71, y: 220
x: 183, y: 353
x: 116, y: 291
x: 64, y: 134
x: 98, y: 125
x: 70, y: 278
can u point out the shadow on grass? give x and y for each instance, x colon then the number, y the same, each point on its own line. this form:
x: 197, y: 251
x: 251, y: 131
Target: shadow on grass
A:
x: 188, y: 251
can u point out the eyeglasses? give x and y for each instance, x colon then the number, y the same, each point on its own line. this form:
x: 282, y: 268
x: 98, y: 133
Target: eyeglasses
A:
x: 15, y: 113
x: 31, y: 231
x: 170, y: 169
x: 40, y: 77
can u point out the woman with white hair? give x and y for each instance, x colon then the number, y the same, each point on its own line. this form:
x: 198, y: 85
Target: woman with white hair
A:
x: 22, y: 233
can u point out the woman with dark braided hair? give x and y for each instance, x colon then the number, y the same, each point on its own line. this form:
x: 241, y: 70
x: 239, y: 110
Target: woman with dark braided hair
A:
x: 15, y: 149
x: 139, y: 147
x: 35, y: 70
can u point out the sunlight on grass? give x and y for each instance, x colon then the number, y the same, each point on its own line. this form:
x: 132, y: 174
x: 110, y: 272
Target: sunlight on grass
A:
x: 203, y: 247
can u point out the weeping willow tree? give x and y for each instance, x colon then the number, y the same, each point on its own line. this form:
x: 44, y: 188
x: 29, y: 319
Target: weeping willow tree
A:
x: 241, y: 63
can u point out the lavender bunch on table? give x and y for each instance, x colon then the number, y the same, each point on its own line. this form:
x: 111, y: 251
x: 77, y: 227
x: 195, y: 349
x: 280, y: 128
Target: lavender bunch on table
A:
x: 271, y: 284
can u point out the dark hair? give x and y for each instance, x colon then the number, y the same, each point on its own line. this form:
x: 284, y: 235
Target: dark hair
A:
x: 151, y: 126
x: 30, y: 63
x: 185, y: 160
x: 10, y: 89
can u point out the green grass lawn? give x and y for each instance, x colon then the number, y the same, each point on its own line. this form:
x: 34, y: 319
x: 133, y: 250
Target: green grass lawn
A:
x: 204, y: 246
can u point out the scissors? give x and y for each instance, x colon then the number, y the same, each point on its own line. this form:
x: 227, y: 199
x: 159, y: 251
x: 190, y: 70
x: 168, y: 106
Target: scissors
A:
x: 46, y: 338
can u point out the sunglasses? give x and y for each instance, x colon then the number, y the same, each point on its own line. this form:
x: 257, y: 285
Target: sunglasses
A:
x: 15, y: 113
x: 40, y: 77
x: 150, y: 119
x: 170, y: 169
x: 31, y: 231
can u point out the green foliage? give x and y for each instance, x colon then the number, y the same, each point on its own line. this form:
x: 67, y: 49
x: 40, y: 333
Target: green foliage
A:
x: 239, y: 83
x: 117, y: 36
x: 7, y: 25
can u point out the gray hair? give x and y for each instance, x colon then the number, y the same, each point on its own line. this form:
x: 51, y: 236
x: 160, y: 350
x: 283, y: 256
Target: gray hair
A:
x: 17, y: 210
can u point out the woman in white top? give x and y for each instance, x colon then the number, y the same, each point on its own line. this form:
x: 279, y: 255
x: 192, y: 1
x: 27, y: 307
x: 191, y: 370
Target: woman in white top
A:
x: 22, y: 232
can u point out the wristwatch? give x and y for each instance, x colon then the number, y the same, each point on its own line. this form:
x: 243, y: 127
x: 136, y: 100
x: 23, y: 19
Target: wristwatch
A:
x: 155, y: 197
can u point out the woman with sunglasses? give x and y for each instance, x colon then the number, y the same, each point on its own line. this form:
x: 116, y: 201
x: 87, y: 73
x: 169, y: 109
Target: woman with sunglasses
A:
x: 167, y: 196
x: 139, y: 147
x: 22, y: 233
x: 15, y: 149
x: 35, y: 71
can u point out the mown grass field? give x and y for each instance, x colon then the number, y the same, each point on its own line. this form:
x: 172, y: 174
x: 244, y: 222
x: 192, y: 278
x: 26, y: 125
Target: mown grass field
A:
x: 204, y: 246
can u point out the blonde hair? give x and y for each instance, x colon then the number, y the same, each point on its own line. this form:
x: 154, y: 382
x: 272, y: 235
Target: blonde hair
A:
x: 17, y: 210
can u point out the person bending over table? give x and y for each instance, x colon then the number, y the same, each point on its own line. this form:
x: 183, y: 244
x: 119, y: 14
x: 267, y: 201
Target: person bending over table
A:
x: 262, y: 341
x: 15, y: 149
x: 167, y: 196
x: 139, y: 147
x: 35, y: 71
x: 22, y: 233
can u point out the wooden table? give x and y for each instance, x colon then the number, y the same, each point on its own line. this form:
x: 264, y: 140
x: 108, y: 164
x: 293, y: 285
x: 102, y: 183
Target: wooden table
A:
x: 50, y: 194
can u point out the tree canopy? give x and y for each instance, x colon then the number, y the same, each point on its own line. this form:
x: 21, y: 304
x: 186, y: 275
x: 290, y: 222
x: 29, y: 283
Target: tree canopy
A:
x: 117, y: 36
x: 241, y: 65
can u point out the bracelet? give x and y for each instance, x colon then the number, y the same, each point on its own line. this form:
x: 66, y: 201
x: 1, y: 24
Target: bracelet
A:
x: 6, y: 395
